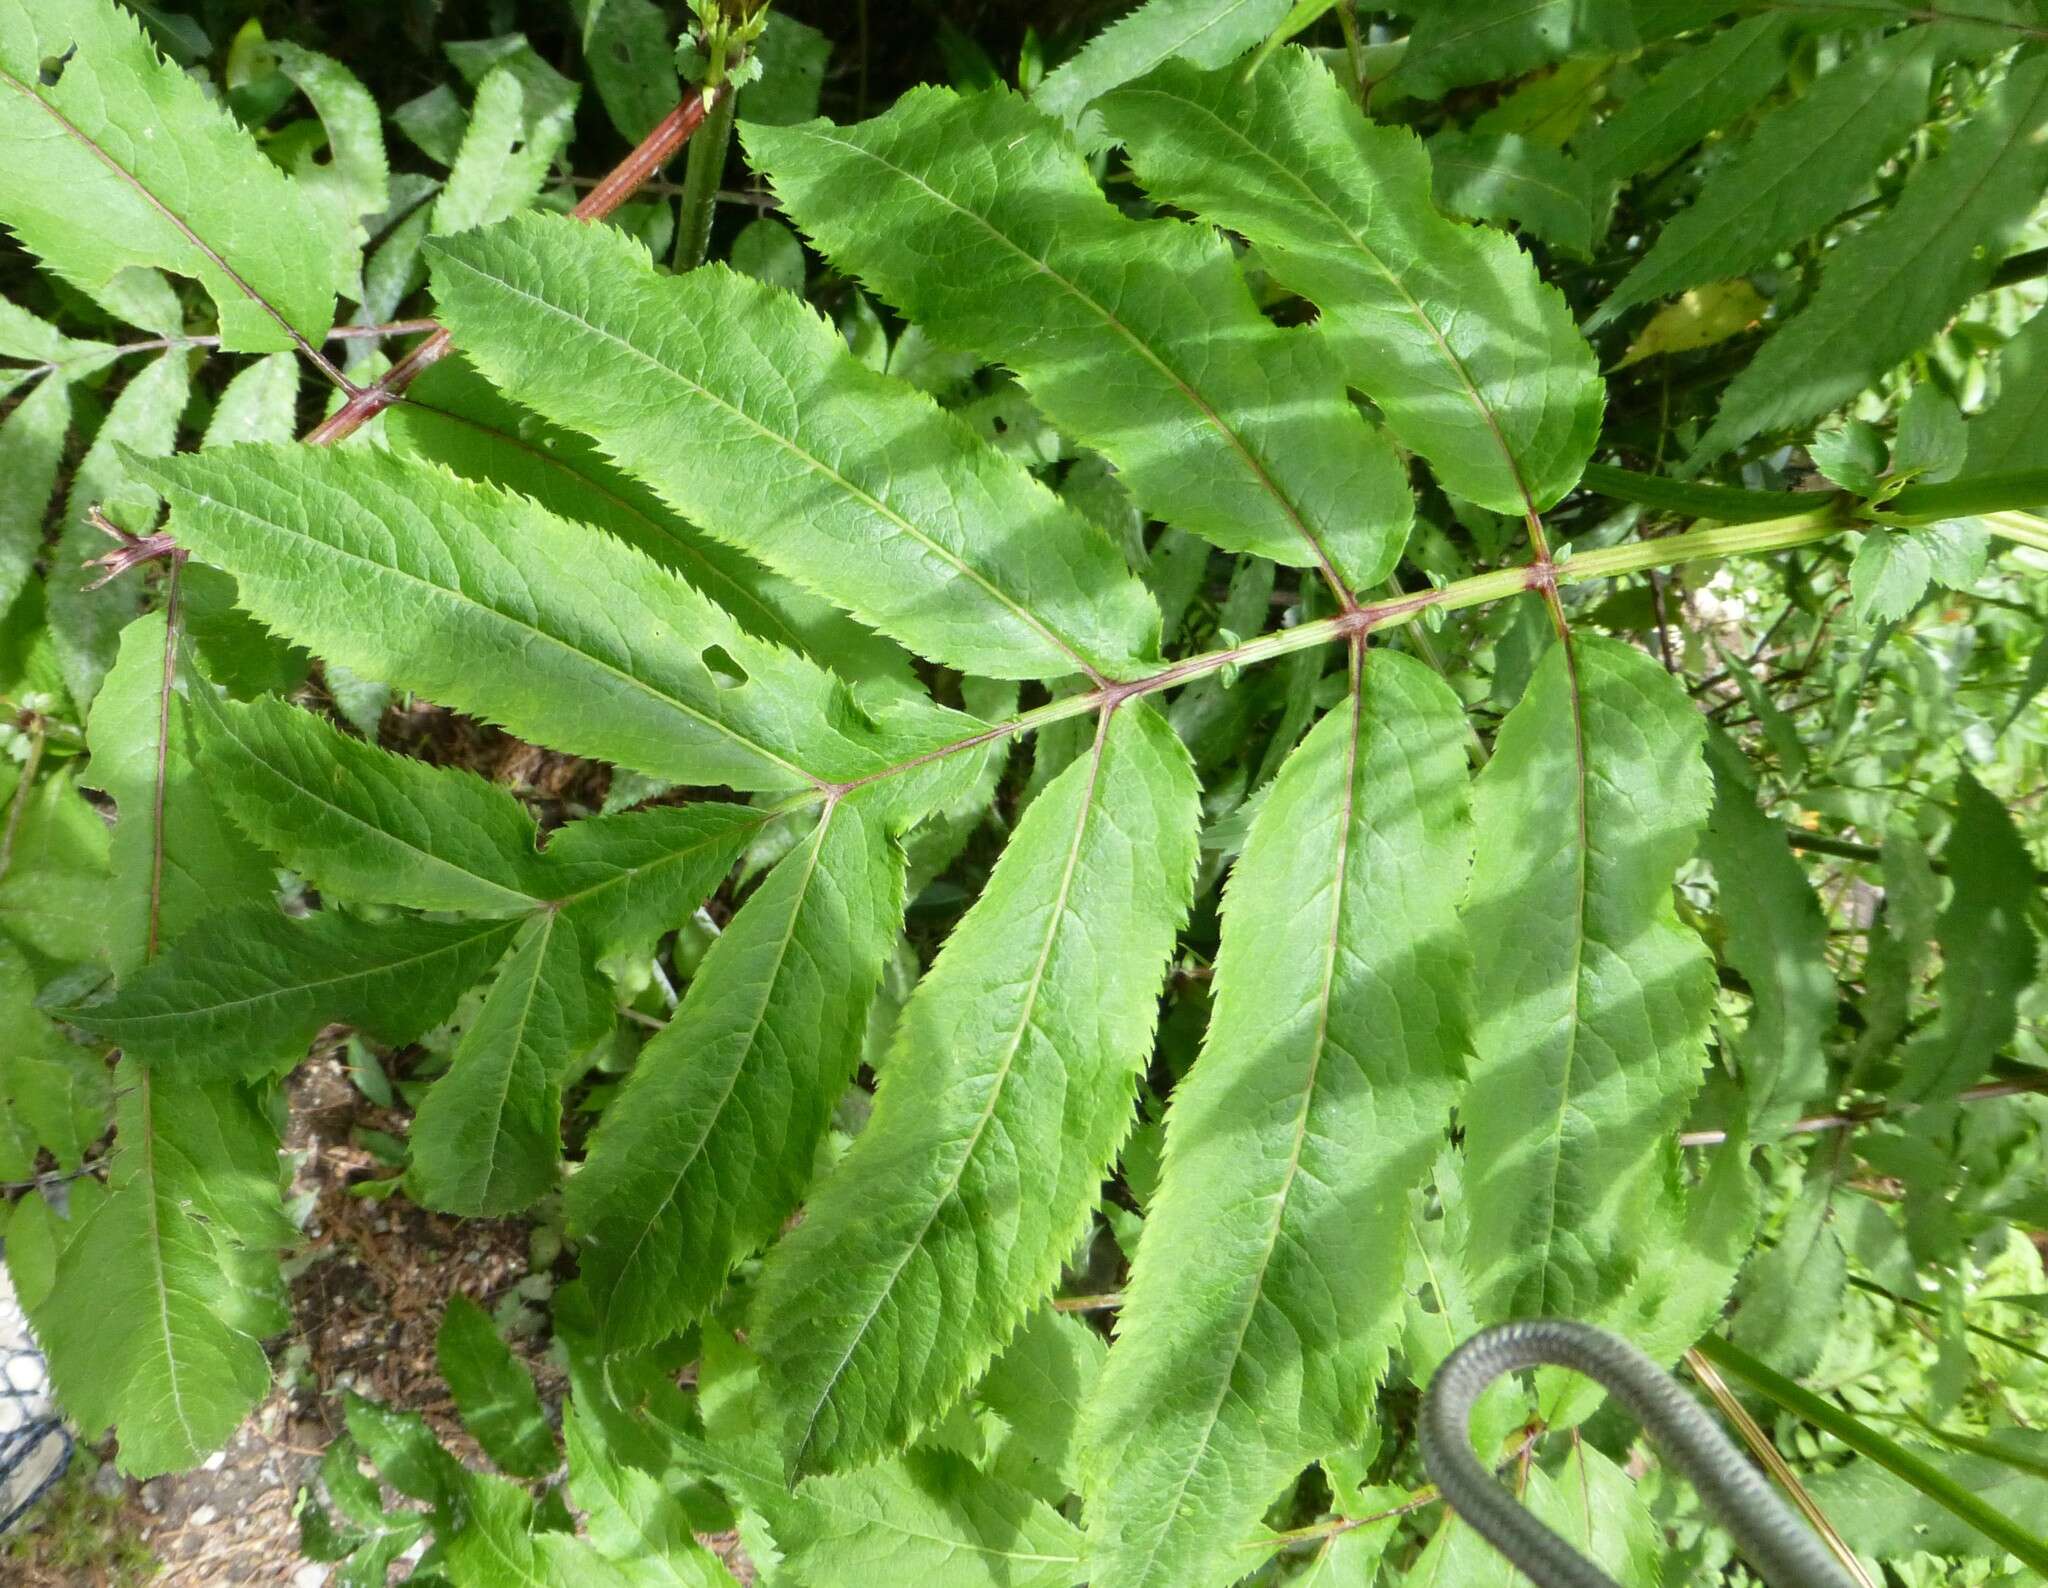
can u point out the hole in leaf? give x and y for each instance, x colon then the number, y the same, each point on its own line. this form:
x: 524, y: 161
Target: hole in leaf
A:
x: 729, y: 673
x: 1426, y: 1299
x: 51, y: 70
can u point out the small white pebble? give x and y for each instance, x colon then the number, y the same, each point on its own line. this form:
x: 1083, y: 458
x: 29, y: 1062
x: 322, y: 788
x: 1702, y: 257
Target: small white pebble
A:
x: 310, y: 1575
x: 214, y: 1462
x: 205, y: 1516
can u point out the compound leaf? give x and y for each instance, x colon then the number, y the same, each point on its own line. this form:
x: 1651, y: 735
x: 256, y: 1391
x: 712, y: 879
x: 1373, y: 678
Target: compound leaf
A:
x: 1473, y: 361
x: 1267, y: 1289
x: 1005, y: 1097
x: 856, y: 485
x: 979, y: 219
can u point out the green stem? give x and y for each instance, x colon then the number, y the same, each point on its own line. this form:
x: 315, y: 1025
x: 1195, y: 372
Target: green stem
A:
x: 2023, y: 528
x: 701, y: 174
x: 1895, y: 1458
x: 1479, y: 590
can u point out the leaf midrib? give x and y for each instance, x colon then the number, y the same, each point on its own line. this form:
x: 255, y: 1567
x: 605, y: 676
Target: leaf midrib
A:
x: 753, y: 1027
x: 1392, y: 277
x: 184, y: 227
x: 731, y: 595
x: 812, y: 461
x: 131, y: 1024
x: 1201, y: 404
x: 1033, y: 986
x: 525, y: 901
x: 1255, y: 1294
x: 162, y: 1284
x: 515, y: 1047
x: 466, y: 602
x: 1553, y: 1141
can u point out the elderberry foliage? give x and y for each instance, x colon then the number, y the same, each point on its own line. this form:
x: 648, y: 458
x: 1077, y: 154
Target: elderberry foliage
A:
x: 1247, y: 689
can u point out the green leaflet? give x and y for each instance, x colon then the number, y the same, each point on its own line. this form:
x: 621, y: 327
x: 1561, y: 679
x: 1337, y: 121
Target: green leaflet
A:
x: 1702, y: 90
x: 978, y: 219
x: 1887, y: 289
x: 164, y: 1292
x: 167, y: 176
x: 453, y: 416
x: 631, y: 1518
x: 2009, y: 435
x: 1987, y: 949
x: 31, y: 447
x: 493, y: 1391
x: 1587, y: 1500
x: 1489, y: 177
x: 1206, y: 32
x: 1003, y: 1103
x: 485, y: 601
x: 1790, y: 1298
x: 488, y: 1137
x: 1805, y: 163
x: 501, y: 1544
x: 1886, y: 1517
x: 361, y: 823
x: 1267, y: 1289
x: 1473, y: 361
x: 857, y: 485
x: 246, y: 996
x: 1592, y: 1000
x: 522, y: 118
x: 924, y: 1516
x: 1777, y: 939
x: 54, y: 894
x: 1040, y: 1385
x: 629, y: 50
x: 710, y: 1141
x: 85, y: 625
x: 355, y: 178
x: 259, y: 404
x: 624, y: 880
x: 1455, y: 42
x: 182, y: 862
x: 53, y: 1094
x: 927, y: 1517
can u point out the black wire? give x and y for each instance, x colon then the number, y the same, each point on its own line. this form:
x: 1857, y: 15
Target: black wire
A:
x: 1774, y: 1539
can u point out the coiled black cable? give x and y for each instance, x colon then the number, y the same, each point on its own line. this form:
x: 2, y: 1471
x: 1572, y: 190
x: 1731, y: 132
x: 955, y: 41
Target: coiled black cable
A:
x: 1772, y: 1537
